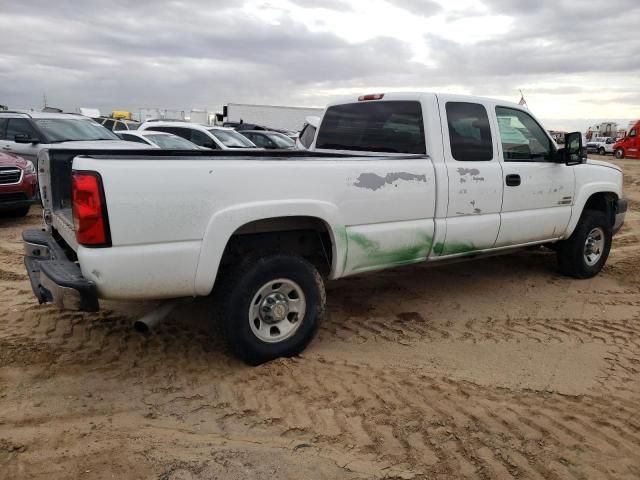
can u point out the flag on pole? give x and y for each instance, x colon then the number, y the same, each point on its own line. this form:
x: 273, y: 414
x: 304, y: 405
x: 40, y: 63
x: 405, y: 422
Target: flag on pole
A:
x: 522, y: 101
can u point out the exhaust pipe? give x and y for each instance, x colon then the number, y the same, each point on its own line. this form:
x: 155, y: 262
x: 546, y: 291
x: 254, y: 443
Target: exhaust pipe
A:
x: 152, y: 319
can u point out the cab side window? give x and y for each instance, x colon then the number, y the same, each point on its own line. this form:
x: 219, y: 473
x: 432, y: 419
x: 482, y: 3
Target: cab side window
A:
x: 307, y: 135
x: 19, y: 126
x: 469, y: 132
x: 633, y: 133
x: 3, y: 128
x: 201, y: 139
x: 175, y: 131
x: 262, y: 141
x: 108, y: 124
x: 133, y: 138
x: 523, y: 139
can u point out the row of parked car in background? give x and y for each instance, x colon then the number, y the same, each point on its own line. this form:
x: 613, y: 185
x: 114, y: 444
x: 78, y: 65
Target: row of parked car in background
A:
x: 180, y: 135
x: 23, y: 135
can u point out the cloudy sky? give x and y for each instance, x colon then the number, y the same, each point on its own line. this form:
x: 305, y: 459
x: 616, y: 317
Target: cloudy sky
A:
x: 577, y: 62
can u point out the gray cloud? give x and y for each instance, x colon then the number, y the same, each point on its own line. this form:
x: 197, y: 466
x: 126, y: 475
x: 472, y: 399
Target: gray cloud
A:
x: 206, y: 53
x: 343, y: 5
x: 418, y: 7
x: 113, y: 60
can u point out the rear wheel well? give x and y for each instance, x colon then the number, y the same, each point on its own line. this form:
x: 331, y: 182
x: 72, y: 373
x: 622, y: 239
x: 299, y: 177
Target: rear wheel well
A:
x: 307, y: 237
x: 603, y: 202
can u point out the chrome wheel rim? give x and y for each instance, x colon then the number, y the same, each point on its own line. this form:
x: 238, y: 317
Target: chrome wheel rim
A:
x: 277, y: 310
x: 594, y: 246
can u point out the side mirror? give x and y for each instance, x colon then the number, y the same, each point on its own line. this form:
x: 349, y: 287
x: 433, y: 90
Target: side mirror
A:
x: 24, y: 138
x: 573, y: 153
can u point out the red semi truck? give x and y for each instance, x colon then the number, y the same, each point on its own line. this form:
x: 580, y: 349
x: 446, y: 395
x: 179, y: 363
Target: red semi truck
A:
x: 629, y: 145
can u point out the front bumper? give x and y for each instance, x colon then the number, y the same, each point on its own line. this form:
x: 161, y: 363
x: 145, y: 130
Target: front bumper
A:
x: 11, y: 201
x: 54, y: 278
x: 621, y: 211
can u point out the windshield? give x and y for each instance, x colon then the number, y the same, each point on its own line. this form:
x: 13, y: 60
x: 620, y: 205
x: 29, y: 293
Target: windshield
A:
x: 281, y: 140
x: 172, y: 142
x: 232, y: 139
x: 73, y: 130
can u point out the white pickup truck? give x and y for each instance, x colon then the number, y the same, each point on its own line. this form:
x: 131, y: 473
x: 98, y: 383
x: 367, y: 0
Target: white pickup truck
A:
x: 392, y: 180
x: 601, y: 145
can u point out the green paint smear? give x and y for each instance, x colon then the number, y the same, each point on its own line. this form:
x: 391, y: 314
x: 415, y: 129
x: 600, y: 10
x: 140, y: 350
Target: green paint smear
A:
x: 453, y: 248
x: 376, y: 257
x: 340, y: 233
x: 397, y: 256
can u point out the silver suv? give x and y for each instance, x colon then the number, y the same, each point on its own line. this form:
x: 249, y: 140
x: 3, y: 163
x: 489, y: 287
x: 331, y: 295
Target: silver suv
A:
x: 27, y: 133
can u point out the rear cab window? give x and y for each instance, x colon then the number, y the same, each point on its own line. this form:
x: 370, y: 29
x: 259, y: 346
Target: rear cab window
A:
x: 374, y: 126
x: 469, y: 132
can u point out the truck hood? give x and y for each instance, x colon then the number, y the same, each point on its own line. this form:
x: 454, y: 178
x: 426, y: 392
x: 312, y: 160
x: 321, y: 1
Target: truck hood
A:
x: 603, y: 164
x: 102, y: 145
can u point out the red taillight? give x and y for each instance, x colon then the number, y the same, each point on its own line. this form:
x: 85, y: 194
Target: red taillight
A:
x: 89, y: 211
x: 371, y: 96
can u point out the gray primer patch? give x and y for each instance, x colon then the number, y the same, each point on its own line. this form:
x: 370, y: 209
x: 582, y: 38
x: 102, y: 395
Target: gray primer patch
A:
x: 468, y: 171
x: 373, y: 181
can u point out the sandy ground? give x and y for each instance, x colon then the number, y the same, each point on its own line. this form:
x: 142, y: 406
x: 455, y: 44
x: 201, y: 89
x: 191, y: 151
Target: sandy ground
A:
x: 499, y: 368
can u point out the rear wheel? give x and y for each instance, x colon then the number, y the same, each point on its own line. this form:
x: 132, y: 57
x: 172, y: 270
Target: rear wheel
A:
x: 619, y: 153
x: 585, y: 252
x: 270, y: 307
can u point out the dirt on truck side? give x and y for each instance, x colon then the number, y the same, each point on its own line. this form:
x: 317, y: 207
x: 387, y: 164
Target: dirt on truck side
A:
x: 498, y: 368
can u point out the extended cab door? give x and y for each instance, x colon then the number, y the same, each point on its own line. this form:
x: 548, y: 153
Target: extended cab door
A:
x: 538, y: 193
x: 474, y: 177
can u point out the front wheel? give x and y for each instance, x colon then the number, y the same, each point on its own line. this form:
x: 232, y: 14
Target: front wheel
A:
x: 619, y: 153
x: 270, y: 307
x: 601, y: 151
x: 585, y: 252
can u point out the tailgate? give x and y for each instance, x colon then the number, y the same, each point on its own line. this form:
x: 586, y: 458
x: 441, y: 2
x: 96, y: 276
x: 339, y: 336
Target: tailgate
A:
x: 54, y: 177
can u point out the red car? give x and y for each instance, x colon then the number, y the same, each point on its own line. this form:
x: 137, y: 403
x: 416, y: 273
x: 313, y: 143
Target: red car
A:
x: 629, y: 146
x: 18, y: 185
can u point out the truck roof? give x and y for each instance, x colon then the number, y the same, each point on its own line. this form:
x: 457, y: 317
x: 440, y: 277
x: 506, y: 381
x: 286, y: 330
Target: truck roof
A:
x: 416, y: 96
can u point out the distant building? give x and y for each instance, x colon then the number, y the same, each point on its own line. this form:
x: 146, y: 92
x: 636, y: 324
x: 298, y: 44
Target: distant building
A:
x: 604, y: 129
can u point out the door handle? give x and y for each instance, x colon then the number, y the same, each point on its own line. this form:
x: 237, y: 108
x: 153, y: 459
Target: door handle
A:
x: 512, y: 180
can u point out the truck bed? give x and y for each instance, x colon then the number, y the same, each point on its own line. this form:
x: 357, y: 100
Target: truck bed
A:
x: 56, y: 167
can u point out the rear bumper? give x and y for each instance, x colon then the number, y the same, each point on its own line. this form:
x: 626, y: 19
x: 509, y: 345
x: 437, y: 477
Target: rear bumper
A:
x: 54, y: 278
x: 621, y: 211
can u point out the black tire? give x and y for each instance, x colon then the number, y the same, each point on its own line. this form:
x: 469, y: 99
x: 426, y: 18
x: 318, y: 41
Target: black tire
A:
x: 234, y: 296
x: 619, y: 153
x: 572, y: 258
x: 19, y: 212
x: 601, y: 151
